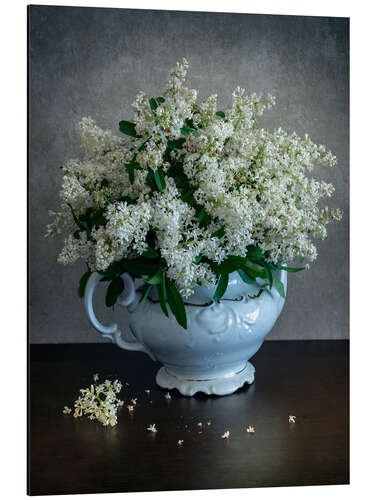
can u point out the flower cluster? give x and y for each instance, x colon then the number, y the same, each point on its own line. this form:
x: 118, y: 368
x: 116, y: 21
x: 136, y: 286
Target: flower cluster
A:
x: 189, y: 186
x: 99, y: 402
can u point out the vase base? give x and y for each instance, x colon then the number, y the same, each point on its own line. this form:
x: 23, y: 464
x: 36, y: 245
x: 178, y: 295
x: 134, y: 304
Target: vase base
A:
x: 219, y: 386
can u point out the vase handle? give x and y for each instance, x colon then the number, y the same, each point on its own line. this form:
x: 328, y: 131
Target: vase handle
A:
x: 112, y: 331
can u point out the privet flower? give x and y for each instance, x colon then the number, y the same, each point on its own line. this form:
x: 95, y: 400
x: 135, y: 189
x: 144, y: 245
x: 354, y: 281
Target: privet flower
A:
x: 99, y: 402
x: 194, y: 186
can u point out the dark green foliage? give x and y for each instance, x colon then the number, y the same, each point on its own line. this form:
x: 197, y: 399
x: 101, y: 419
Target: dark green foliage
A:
x: 115, y: 288
x: 219, y: 233
x: 156, y: 279
x: 221, y: 287
x: 82, y: 283
x: 189, y: 130
x: 279, y: 287
x: 150, y: 253
x: 160, y: 179
x: 245, y: 277
x: 162, y: 295
x: 144, y: 298
x: 130, y: 167
x: 176, y: 303
x: 128, y: 128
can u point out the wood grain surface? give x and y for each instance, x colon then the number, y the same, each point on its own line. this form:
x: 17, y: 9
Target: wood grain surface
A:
x: 308, y: 379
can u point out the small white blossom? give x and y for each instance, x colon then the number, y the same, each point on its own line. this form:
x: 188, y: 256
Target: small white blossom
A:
x: 180, y: 442
x: 134, y: 401
x: 95, y: 377
x: 167, y: 396
x: 226, y: 435
x: 292, y: 419
x: 152, y: 428
x: 256, y: 187
x: 66, y: 410
x: 250, y: 430
x: 99, y: 402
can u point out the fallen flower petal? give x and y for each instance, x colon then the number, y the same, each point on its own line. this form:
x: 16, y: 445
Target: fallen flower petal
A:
x: 292, y: 419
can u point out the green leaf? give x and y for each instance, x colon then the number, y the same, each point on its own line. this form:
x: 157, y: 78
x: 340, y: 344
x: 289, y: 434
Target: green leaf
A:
x: 230, y: 264
x: 160, y: 179
x: 188, y: 198
x: 290, y: 269
x: 268, y: 270
x: 279, y: 286
x: 188, y: 130
x: 203, y: 218
x: 245, y: 277
x: 180, y: 178
x: 150, y: 180
x: 162, y: 296
x: 156, y: 279
x: 115, y: 288
x: 144, y: 298
x: 82, y: 283
x: 112, y: 270
x: 254, y: 253
x: 219, y: 233
x: 176, y: 143
x: 130, y: 167
x: 150, y: 253
x: 140, y: 266
x: 160, y: 99
x: 221, y: 287
x: 176, y: 303
x: 254, y: 270
x: 197, y: 259
x: 128, y: 128
x: 221, y: 114
x: 153, y: 103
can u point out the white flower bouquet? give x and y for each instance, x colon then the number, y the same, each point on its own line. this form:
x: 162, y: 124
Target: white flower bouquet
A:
x: 190, y: 194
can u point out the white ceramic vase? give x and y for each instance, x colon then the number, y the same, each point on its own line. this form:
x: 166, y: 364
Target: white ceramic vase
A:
x: 212, y: 355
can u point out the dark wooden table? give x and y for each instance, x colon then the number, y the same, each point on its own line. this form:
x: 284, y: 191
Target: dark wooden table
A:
x: 308, y: 379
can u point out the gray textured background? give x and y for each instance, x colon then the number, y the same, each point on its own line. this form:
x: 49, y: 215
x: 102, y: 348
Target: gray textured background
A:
x: 90, y: 61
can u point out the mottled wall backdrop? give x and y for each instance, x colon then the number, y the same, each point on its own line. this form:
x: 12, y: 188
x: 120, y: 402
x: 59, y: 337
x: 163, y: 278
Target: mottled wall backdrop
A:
x: 90, y: 61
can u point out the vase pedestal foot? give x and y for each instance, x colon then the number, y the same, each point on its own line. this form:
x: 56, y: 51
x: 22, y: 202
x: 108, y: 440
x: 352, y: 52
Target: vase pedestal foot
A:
x: 219, y: 386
